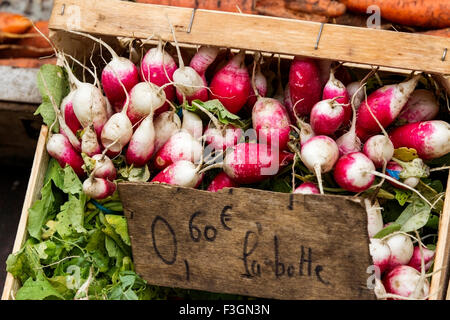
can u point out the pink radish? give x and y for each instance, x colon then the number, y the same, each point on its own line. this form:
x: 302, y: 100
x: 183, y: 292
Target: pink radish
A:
x: 324, y: 70
x: 307, y: 188
x: 402, y: 249
x: 251, y: 162
x: 374, y: 217
x: 204, y: 57
x: 181, y: 173
x: 192, y: 123
x: 231, y: 84
x: 89, y: 142
x: 405, y: 281
x: 68, y: 114
x: 431, y: 139
x: 304, y: 85
x: 356, y: 94
x: 104, y: 167
x: 379, y: 149
x: 98, y: 188
x: 421, y: 106
x: 221, y: 181
x: 380, y: 253
x: 327, y: 116
x: 260, y: 84
x: 222, y: 138
x: 158, y: 67
x: 166, y: 125
x: 181, y: 146
x: 386, y: 104
x: 354, y: 172
x: 142, y: 143
x: 145, y: 98
x: 416, y: 260
x: 335, y: 89
x: 59, y: 147
x: 319, y: 154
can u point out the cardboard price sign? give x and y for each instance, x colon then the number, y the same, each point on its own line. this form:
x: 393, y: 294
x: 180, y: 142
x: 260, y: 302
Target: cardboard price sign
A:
x: 249, y: 242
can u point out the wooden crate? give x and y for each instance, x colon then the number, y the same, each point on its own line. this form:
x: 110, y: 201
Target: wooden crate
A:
x: 109, y: 18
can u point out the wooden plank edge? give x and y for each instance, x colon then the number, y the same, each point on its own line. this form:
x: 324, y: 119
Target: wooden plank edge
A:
x: 408, y: 58
x: 35, y: 182
x: 439, y: 280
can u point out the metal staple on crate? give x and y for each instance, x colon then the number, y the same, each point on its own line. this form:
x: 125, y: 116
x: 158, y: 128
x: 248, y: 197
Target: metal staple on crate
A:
x: 63, y: 7
x: 192, y: 20
x: 318, y: 36
x: 444, y: 54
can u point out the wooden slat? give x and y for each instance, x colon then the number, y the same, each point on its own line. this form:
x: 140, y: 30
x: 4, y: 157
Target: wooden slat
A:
x: 439, y: 281
x: 253, y: 32
x: 35, y: 183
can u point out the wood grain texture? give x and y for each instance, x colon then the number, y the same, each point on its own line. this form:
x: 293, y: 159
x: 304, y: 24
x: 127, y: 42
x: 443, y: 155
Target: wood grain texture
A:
x: 35, y: 183
x: 439, y: 281
x: 254, y: 32
x: 249, y: 242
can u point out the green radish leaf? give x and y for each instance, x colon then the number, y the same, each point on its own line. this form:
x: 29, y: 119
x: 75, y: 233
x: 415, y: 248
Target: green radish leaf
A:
x: 119, y: 223
x: 402, y: 196
x: 39, y: 289
x: 70, y: 219
x: 387, y: 230
x: 415, y: 216
x: 52, y: 81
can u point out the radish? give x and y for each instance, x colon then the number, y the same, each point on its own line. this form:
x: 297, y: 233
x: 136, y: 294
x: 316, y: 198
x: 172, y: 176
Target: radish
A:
x: 261, y: 86
x: 118, y: 72
x: 251, y: 162
x: 68, y: 114
x: 335, y: 89
x: 181, y: 146
x: 319, y: 154
x: 166, y: 125
x: 379, y: 149
x: 181, y: 173
x: 204, y: 57
x: 158, y: 67
x: 189, y: 84
x: 98, y: 188
x: 354, y: 93
x: 222, y: 137
x: 104, y: 167
x: 402, y: 249
x: 431, y: 139
x: 304, y: 85
x: 349, y: 141
x: 231, y: 84
x: 407, y: 282
x: 374, y: 217
x: 192, y: 123
x: 142, y: 143
x: 327, y: 116
x: 324, y: 70
x: 354, y: 172
x: 380, y: 253
x: 89, y: 142
x: 421, y: 106
x: 145, y: 98
x: 307, y: 188
x: 221, y: 181
x: 386, y: 104
x: 416, y: 260
x: 60, y: 148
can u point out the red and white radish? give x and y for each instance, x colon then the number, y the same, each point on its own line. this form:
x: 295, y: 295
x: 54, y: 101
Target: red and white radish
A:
x: 379, y: 149
x: 305, y: 88
x: 60, y: 148
x: 416, y: 259
x: 355, y: 94
x: 104, y: 167
x: 307, y: 188
x: 327, y: 116
x: 319, y: 154
x: 142, y: 143
x: 385, y: 104
x: 407, y: 282
x: 380, y: 253
x: 98, y: 188
x: 220, y: 181
x: 231, y: 84
x: 181, y: 173
x: 204, y: 57
x: 180, y: 146
x: 192, y: 123
x: 431, y: 139
x: 335, y: 89
x: 421, y: 106
x: 166, y: 125
x: 374, y: 217
x: 68, y: 114
x: 354, y: 172
x: 261, y: 86
x: 222, y: 137
x: 89, y: 142
x: 402, y: 249
x: 145, y: 98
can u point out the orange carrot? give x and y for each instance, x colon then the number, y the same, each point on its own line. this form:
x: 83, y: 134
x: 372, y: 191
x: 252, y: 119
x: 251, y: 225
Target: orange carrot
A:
x: 38, y: 41
x: 439, y: 32
x: 273, y: 8
x: 327, y: 8
x: 419, y: 13
x: 13, y: 23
